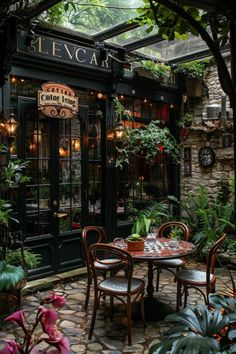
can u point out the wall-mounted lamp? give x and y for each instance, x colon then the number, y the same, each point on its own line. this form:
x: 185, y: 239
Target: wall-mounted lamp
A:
x: 8, y: 126
x: 11, y: 125
x: 119, y: 131
x: 110, y: 134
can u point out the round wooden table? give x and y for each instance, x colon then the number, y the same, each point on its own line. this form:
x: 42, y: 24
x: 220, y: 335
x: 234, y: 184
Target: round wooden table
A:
x: 162, y: 250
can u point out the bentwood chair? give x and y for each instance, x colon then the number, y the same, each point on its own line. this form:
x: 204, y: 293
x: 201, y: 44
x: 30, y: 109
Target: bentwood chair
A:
x: 167, y: 230
x: 194, y: 278
x: 91, y: 235
x: 12, y: 276
x: 121, y: 286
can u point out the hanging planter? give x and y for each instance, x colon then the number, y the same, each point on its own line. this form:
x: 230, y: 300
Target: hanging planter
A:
x: 146, y: 141
x: 152, y: 70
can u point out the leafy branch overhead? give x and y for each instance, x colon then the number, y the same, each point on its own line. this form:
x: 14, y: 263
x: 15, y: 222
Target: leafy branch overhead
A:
x: 177, y: 22
x: 148, y: 142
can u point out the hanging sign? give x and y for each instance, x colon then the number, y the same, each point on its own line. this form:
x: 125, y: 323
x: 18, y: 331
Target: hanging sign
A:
x: 57, y: 100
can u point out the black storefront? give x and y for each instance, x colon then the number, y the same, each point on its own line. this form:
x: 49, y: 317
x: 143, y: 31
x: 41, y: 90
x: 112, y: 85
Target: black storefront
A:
x: 72, y: 184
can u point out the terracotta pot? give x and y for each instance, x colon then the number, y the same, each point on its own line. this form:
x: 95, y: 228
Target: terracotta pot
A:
x: 135, y: 245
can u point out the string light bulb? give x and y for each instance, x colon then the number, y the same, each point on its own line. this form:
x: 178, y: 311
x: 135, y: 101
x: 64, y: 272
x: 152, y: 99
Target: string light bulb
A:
x: 99, y: 95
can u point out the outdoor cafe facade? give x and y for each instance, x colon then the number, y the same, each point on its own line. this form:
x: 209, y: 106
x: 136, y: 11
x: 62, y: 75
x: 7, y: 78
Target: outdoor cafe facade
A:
x: 61, y: 90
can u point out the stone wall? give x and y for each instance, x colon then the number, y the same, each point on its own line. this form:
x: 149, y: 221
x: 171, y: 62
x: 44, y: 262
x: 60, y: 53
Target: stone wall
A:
x: 216, y: 134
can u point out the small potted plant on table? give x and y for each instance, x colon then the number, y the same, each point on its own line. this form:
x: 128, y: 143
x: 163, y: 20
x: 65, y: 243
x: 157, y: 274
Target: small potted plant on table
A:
x: 135, y: 242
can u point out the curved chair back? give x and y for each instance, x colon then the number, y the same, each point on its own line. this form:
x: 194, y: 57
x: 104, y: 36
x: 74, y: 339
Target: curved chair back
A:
x: 211, y: 259
x: 167, y: 228
x: 90, y: 235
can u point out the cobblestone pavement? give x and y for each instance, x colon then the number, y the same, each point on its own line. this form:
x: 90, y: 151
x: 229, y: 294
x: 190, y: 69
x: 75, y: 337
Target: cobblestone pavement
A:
x: 109, y: 337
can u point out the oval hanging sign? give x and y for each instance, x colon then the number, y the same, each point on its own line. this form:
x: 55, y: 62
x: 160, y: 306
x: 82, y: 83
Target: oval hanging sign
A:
x: 57, y: 100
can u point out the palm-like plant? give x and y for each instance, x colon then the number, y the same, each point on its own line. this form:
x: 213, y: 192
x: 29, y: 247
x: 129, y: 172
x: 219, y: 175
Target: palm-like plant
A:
x: 199, y: 330
x: 207, y: 217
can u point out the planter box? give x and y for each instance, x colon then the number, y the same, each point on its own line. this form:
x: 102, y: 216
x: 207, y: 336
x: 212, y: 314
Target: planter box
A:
x: 135, y: 245
x: 193, y: 88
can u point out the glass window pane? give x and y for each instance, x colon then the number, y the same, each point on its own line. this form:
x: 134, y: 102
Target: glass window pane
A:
x: 92, y: 16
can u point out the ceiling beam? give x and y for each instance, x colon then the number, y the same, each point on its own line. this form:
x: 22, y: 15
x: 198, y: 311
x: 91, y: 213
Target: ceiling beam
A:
x: 202, y: 4
x: 144, y: 42
x: 197, y: 55
x: 115, y: 30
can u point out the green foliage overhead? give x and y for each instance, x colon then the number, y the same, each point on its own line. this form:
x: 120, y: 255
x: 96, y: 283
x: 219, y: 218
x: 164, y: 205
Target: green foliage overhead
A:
x: 172, y: 26
x: 90, y: 16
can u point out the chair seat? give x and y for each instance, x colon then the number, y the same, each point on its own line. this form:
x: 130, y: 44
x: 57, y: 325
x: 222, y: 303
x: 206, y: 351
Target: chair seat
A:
x: 193, y: 276
x: 119, y: 285
x: 173, y: 263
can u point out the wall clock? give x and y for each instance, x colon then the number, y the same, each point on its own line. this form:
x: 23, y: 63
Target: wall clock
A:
x: 206, y: 157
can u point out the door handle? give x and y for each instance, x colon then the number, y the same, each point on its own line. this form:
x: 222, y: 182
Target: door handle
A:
x: 59, y: 215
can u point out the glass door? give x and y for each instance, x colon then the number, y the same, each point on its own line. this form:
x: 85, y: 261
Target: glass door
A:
x: 64, y: 192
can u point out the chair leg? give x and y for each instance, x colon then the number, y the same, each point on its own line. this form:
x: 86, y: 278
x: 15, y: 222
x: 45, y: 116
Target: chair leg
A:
x: 158, y: 278
x: 87, y: 292
x: 95, y: 307
x: 142, y: 310
x: 178, y: 297
x: 129, y: 311
x: 185, y: 295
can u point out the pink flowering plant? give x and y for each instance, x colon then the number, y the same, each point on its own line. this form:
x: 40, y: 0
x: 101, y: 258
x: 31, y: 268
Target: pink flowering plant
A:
x: 46, y: 318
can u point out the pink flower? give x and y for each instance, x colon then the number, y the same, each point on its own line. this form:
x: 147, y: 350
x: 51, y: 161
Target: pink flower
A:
x: 56, y: 338
x: 53, y: 333
x: 11, y: 348
x: 62, y: 345
x: 46, y: 317
x: 56, y: 300
x: 19, y: 318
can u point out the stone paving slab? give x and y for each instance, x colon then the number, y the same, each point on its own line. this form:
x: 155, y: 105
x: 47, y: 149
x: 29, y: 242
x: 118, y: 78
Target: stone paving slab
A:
x: 109, y: 337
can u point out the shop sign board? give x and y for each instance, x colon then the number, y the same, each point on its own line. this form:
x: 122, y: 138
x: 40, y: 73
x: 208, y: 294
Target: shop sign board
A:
x: 57, y: 100
x: 56, y: 49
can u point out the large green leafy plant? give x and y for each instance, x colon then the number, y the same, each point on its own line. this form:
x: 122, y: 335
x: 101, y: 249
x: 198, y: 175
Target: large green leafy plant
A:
x: 200, y: 330
x: 208, y: 216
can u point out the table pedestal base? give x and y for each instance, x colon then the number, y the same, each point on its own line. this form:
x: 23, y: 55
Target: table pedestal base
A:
x: 154, y: 309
